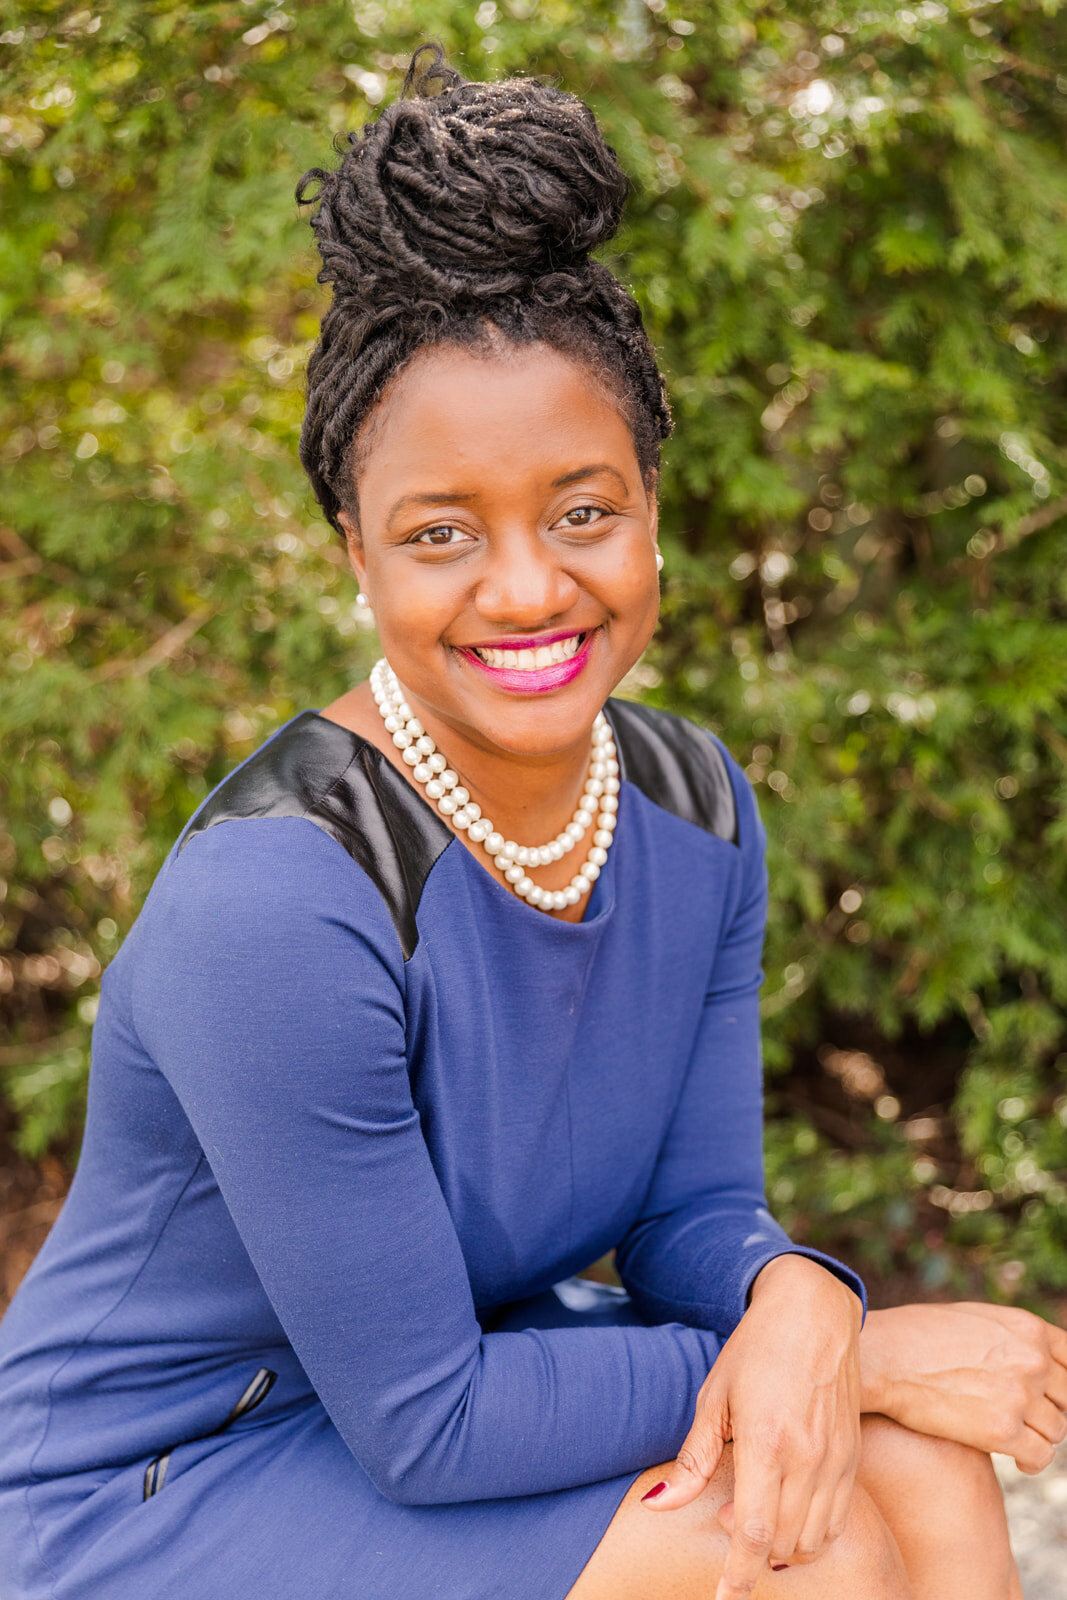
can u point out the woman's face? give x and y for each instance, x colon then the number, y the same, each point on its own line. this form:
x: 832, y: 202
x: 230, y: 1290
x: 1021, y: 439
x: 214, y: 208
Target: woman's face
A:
x: 506, y: 542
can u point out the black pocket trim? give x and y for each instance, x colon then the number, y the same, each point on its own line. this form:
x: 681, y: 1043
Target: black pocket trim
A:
x: 156, y: 1471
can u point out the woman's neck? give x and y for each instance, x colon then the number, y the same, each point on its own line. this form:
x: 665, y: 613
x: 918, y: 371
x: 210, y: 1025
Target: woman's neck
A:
x: 529, y: 800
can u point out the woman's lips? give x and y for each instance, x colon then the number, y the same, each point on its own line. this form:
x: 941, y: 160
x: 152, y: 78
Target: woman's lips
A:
x: 534, y: 680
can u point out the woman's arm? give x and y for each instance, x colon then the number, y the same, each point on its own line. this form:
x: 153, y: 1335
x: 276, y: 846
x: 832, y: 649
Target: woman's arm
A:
x: 994, y: 1377
x: 704, y: 1232
x: 269, y: 990
x: 786, y: 1388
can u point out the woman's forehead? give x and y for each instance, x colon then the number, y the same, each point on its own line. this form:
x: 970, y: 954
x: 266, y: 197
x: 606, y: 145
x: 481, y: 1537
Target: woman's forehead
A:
x: 528, y: 413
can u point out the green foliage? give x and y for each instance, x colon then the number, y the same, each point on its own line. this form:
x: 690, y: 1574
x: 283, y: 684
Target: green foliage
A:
x: 849, y: 237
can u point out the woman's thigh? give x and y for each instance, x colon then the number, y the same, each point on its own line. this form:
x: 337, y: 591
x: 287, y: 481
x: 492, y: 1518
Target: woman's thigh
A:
x: 679, y: 1555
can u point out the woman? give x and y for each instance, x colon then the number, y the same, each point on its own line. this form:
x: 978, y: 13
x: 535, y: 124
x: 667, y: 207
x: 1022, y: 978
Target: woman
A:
x: 372, y: 1081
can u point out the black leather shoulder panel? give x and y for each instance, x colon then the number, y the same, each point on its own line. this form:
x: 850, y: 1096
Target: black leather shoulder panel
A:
x: 675, y: 766
x: 318, y: 770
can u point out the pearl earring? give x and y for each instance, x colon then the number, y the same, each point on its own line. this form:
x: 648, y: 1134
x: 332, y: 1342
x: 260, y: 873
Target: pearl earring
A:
x: 362, y: 601
x: 659, y: 562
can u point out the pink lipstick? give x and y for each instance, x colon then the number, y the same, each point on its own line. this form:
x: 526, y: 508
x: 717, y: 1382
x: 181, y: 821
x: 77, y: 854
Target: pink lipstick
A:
x: 534, y: 680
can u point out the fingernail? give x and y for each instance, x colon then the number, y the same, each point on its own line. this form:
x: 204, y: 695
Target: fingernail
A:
x: 652, y: 1493
x: 783, y: 1566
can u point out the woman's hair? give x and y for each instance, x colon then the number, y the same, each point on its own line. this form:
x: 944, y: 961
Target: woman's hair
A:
x: 465, y: 214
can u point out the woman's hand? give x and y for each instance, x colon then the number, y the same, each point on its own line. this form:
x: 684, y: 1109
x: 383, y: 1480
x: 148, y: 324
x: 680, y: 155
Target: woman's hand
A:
x: 786, y: 1390
x: 990, y: 1376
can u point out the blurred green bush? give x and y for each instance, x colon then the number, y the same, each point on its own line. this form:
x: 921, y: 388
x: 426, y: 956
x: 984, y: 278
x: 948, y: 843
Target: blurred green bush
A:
x: 849, y: 237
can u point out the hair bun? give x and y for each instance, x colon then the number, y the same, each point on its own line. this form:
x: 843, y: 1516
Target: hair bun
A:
x: 465, y: 192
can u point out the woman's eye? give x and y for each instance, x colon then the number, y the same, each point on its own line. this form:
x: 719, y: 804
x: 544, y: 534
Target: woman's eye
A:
x: 445, y: 534
x: 584, y: 516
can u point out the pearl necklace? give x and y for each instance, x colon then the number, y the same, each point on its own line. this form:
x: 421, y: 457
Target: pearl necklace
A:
x: 430, y: 769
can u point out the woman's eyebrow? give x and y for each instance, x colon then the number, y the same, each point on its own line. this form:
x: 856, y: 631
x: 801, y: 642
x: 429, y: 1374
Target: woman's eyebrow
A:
x: 589, y: 472
x: 431, y: 497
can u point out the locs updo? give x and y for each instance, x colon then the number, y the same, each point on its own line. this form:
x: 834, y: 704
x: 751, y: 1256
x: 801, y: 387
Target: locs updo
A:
x: 465, y: 214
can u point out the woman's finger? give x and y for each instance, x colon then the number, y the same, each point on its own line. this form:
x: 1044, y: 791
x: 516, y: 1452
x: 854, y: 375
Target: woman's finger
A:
x: 826, y: 1519
x: 757, y: 1487
x: 1032, y: 1451
x: 695, y: 1463
x: 803, y: 1514
x: 1048, y: 1420
x: 841, y: 1506
x: 1057, y: 1343
x: 1056, y: 1386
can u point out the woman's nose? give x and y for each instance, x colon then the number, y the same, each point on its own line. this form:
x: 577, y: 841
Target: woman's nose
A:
x: 524, y: 585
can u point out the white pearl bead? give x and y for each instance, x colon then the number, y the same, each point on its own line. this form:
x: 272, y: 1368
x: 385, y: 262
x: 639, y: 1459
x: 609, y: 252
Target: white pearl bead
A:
x: 429, y: 767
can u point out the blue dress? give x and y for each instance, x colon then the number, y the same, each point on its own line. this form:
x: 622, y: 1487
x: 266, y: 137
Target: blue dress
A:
x: 355, y: 1112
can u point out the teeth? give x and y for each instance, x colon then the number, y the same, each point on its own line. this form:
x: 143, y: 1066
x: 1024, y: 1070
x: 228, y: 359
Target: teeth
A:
x: 546, y: 655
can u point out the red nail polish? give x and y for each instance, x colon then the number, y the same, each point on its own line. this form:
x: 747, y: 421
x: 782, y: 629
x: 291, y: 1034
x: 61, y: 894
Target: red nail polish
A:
x: 652, y: 1493
x: 782, y: 1567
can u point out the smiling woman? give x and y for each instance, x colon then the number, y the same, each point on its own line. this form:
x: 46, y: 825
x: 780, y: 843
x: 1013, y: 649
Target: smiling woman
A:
x: 451, y: 989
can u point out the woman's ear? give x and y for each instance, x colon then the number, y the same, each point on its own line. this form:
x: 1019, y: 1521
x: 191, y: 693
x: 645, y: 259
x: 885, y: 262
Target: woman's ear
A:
x: 651, y: 485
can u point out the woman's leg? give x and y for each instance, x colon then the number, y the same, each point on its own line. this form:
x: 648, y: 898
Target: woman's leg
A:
x: 679, y: 1555
x: 936, y: 1502
x: 944, y: 1507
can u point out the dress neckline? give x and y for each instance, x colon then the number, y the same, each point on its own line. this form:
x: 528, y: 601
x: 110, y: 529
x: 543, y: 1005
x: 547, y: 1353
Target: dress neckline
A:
x: 601, y: 900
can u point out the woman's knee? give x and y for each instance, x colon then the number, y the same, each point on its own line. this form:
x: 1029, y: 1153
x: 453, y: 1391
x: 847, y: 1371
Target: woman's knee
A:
x: 922, y: 1476
x: 936, y: 1493
x: 679, y: 1554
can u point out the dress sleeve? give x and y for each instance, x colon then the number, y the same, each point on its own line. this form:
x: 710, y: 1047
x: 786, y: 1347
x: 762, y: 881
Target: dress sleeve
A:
x: 704, y: 1231
x: 269, y: 989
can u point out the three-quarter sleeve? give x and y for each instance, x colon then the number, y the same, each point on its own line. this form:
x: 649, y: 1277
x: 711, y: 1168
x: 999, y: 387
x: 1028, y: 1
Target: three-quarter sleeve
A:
x: 270, y: 993
x: 704, y: 1231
